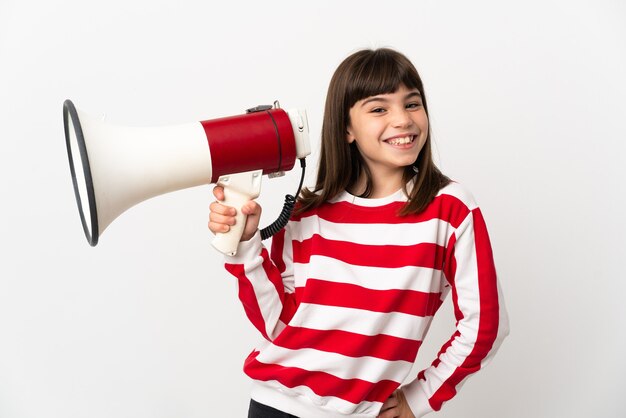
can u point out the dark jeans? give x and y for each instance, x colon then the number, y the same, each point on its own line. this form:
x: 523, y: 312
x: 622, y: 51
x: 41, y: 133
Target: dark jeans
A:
x: 258, y: 410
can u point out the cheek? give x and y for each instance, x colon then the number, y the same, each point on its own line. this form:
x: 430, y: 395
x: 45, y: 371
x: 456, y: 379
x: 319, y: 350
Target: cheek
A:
x: 422, y: 121
x: 421, y: 145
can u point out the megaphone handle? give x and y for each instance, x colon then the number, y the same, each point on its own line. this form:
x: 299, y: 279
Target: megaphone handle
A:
x: 238, y: 189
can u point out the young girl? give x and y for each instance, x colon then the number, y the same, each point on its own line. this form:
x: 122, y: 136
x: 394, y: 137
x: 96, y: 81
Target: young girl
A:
x: 349, y: 290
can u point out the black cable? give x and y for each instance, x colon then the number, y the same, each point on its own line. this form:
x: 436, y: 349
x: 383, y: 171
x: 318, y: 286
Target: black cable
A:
x: 285, y: 213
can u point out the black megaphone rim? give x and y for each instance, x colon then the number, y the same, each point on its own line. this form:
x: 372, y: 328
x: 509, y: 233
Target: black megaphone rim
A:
x: 69, y: 111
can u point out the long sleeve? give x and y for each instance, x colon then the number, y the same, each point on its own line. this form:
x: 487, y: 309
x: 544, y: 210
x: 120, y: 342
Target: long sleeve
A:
x: 482, y: 321
x: 265, y: 282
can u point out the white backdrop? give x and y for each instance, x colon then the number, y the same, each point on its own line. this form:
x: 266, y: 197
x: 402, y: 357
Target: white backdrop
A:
x: 527, y: 109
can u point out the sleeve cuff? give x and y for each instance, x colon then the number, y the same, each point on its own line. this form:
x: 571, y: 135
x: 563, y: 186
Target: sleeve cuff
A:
x: 417, y: 399
x: 246, y: 250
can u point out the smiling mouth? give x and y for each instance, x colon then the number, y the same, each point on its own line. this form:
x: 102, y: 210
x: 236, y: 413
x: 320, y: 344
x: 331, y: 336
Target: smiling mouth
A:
x: 403, y: 140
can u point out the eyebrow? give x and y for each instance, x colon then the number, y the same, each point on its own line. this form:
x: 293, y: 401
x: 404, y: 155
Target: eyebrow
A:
x: 382, y: 99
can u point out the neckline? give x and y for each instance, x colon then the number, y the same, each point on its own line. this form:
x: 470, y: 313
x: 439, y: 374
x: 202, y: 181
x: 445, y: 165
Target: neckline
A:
x: 347, y: 197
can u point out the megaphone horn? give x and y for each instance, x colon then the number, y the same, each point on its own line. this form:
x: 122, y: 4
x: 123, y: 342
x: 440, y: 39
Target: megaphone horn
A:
x: 115, y: 167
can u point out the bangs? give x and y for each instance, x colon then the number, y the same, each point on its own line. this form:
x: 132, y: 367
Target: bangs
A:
x: 380, y: 72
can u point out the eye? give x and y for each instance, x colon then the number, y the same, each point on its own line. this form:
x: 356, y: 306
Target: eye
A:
x: 413, y: 105
x: 377, y: 110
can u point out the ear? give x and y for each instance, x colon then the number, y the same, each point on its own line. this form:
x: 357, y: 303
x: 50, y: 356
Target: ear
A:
x: 349, y: 136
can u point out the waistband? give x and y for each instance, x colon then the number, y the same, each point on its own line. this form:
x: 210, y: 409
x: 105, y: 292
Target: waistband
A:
x: 296, y: 404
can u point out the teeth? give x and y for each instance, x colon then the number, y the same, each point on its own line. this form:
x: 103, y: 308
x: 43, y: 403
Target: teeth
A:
x: 401, y: 141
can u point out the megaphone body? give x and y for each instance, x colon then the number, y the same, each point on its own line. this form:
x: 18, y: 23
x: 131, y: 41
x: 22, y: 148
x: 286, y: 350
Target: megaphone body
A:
x: 115, y: 167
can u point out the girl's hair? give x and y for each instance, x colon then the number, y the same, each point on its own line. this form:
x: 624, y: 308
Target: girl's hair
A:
x: 364, y: 74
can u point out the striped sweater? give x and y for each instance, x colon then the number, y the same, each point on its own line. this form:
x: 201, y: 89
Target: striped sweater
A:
x: 346, y: 298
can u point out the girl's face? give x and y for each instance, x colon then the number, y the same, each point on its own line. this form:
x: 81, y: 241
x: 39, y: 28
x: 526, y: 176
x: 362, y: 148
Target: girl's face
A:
x: 389, y: 130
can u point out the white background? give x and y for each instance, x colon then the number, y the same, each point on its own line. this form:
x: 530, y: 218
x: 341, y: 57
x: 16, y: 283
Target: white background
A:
x: 527, y: 109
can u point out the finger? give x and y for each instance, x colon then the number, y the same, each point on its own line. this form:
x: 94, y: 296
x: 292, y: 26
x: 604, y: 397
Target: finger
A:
x: 218, y: 192
x: 217, y: 228
x: 389, y: 408
x: 221, y: 219
x: 403, y: 405
x: 389, y: 413
x: 389, y: 403
x: 217, y: 207
x: 400, y: 396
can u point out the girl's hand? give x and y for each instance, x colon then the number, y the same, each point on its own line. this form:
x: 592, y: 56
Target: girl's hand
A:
x: 396, y: 406
x: 221, y: 217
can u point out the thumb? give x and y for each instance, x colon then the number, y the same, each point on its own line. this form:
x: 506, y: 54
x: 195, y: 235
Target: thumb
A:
x: 252, y: 210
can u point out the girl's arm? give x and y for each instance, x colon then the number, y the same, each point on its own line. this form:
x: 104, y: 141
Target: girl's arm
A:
x: 482, y: 321
x: 266, y: 285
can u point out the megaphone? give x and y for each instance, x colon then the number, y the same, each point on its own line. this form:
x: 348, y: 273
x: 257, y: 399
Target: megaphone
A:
x: 115, y: 167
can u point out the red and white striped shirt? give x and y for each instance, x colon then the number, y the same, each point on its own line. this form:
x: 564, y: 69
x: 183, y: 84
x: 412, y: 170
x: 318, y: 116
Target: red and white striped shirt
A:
x: 347, y: 296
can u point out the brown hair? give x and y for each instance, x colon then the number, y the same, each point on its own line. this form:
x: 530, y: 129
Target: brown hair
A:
x: 364, y: 74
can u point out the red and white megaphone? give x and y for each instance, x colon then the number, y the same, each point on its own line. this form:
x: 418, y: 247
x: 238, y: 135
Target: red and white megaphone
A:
x: 115, y: 167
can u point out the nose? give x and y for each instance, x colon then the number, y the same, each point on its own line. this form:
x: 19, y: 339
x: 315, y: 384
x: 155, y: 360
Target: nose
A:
x: 401, y: 118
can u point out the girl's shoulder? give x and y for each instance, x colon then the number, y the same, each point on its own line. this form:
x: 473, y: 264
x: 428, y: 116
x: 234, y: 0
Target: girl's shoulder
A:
x: 460, y: 193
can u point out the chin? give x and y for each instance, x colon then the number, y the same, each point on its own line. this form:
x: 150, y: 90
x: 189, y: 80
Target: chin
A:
x: 408, y: 162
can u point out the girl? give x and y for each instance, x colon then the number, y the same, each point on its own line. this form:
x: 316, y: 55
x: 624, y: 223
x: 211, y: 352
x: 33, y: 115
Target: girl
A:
x: 348, y: 292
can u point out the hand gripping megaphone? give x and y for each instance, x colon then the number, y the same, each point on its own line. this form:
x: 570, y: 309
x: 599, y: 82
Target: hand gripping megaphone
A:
x: 115, y: 167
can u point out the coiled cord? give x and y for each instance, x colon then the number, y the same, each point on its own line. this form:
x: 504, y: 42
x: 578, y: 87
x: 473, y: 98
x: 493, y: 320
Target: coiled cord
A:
x: 285, y: 213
